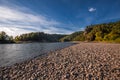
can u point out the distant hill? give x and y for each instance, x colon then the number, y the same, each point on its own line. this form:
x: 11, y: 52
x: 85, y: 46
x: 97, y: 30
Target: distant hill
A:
x: 76, y: 36
x: 108, y: 32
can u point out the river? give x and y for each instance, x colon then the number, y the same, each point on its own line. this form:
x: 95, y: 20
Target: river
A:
x: 15, y: 53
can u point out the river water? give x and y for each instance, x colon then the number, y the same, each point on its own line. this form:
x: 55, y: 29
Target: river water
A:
x: 15, y: 53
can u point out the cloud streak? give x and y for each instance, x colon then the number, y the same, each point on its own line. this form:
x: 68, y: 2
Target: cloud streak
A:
x: 16, y: 22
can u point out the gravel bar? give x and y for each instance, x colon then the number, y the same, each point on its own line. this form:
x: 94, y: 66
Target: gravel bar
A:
x: 83, y: 61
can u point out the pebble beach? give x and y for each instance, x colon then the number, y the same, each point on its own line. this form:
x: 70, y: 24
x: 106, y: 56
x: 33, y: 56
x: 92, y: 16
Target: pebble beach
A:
x: 82, y: 61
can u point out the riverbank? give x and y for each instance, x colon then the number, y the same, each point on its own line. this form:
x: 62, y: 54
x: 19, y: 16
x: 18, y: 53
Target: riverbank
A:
x: 98, y: 61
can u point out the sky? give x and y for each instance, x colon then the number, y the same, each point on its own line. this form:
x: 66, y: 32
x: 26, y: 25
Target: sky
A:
x: 55, y: 16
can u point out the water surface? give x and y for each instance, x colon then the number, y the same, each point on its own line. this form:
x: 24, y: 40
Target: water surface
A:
x: 14, y: 53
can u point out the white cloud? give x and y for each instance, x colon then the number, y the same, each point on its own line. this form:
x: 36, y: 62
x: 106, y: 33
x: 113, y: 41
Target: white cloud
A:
x: 15, y: 22
x: 9, y: 14
x: 92, y: 9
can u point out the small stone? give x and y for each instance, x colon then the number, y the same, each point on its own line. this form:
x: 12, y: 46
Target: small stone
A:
x: 75, y: 74
x: 72, y: 68
x: 67, y: 75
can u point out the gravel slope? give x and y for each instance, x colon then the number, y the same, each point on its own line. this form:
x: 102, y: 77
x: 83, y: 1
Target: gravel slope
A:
x: 83, y: 61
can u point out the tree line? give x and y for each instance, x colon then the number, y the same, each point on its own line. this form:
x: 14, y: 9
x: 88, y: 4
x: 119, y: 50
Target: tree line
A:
x: 39, y: 37
x: 33, y: 37
x: 107, y: 32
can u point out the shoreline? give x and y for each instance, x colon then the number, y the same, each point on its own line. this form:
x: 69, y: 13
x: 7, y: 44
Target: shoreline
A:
x: 80, y: 61
x: 25, y: 42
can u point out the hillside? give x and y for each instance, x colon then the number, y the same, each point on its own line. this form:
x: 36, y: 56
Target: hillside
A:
x: 109, y: 32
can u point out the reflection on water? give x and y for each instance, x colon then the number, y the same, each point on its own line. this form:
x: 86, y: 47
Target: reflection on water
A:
x: 13, y: 53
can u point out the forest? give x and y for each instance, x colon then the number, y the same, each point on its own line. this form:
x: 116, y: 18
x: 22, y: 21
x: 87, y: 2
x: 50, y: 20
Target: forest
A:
x: 106, y: 32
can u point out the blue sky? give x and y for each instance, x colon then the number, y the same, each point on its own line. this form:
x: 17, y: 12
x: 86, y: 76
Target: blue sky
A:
x: 55, y: 16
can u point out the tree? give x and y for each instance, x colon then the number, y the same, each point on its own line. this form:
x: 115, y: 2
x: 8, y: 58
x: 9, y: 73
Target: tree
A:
x: 4, y: 38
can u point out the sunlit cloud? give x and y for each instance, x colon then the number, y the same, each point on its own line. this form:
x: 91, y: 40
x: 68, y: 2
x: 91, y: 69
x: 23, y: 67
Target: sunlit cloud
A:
x: 15, y: 22
x: 92, y: 9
